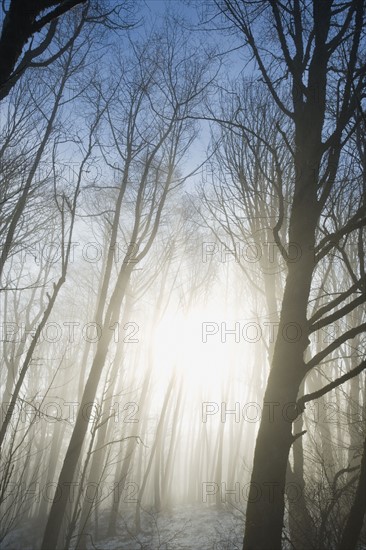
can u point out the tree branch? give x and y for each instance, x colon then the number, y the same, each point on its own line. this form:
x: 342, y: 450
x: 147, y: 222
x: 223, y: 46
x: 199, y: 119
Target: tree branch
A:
x: 334, y: 345
x: 300, y: 405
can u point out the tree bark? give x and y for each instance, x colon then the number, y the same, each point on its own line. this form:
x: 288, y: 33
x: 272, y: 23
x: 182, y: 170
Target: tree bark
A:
x: 265, y: 509
x: 352, y: 530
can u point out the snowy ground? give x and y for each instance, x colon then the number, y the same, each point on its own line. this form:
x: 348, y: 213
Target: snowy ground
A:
x: 183, y: 528
x: 189, y: 527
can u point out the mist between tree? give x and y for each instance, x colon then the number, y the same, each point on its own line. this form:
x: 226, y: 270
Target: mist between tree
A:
x: 182, y: 275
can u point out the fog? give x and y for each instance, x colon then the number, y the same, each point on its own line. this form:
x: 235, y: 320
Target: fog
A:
x: 183, y: 276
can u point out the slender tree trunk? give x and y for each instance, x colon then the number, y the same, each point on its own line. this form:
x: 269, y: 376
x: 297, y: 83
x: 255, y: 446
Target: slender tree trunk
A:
x: 158, y: 436
x: 121, y: 474
x: 99, y: 456
x: 52, y: 464
x: 168, y: 474
x: 71, y: 460
x: 218, y: 468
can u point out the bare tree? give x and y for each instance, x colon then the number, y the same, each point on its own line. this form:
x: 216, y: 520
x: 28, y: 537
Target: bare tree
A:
x: 323, y: 44
x: 166, y: 85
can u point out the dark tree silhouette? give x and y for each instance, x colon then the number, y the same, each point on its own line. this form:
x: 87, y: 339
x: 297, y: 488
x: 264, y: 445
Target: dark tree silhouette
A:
x: 24, y: 20
x: 316, y: 47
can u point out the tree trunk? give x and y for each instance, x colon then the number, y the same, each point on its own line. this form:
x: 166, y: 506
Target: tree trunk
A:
x: 265, y: 509
x: 71, y: 460
x: 158, y: 436
x: 300, y: 521
x: 354, y: 522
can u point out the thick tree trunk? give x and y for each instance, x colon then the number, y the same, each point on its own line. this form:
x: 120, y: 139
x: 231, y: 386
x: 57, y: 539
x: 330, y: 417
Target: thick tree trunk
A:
x: 300, y: 521
x: 356, y: 516
x: 265, y: 509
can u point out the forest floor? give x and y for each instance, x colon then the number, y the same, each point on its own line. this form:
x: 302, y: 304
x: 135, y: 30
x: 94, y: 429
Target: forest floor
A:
x: 189, y: 527
x: 184, y: 527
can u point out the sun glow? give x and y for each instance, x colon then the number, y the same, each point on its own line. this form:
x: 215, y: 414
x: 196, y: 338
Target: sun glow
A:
x: 181, y: 344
